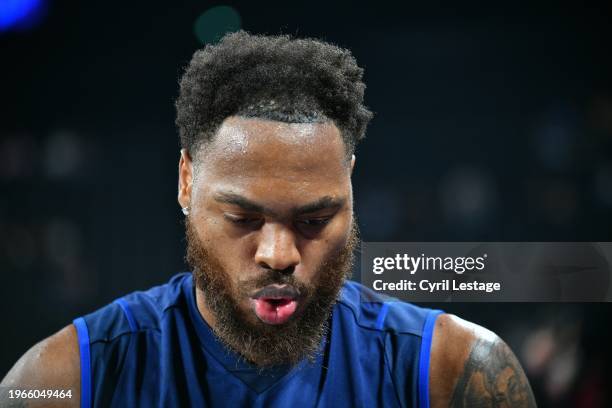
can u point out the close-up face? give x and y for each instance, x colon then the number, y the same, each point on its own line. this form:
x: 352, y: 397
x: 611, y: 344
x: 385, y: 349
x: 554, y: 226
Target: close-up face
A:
x: 271, y: 220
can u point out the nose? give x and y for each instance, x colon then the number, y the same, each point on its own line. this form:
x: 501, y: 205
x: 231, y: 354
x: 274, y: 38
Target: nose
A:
x: 277, y: 248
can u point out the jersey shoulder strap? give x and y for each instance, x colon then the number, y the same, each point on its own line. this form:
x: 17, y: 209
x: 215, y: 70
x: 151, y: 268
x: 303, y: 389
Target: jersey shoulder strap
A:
x: 136, y: 312
x: 408, y: 331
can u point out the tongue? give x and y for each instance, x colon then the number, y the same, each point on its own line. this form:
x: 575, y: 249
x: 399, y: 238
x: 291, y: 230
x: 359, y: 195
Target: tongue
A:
x: 274, y: 311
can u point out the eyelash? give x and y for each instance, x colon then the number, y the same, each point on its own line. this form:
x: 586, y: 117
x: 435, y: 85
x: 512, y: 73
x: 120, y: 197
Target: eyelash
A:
x: 316, y: 222
x: 239, y: 220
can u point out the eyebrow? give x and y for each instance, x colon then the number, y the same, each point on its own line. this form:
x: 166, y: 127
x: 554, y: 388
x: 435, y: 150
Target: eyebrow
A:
x: 323, y: 203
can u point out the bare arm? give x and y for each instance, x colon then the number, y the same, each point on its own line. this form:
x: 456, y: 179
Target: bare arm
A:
x: 52, y: 364
x: 472, y: 367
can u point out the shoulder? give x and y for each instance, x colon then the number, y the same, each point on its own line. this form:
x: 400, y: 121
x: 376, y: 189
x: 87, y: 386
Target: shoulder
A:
x: 472, y: 366
x: 55, y: 362
x: 50, y: 364
x: 135, y: 312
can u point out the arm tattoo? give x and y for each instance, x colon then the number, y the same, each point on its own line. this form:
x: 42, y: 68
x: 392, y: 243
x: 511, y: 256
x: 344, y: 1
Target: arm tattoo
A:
x: 492, y: 377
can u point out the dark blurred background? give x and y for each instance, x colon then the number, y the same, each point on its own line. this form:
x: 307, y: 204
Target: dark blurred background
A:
x: 493, y: 123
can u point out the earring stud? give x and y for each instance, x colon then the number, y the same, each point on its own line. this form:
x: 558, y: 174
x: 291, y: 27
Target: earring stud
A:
x: 185, y: 210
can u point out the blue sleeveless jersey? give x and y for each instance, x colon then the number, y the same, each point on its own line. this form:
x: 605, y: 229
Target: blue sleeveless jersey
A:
x: 153, y: 349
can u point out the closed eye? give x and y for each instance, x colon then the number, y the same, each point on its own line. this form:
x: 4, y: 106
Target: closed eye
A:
x: 242, y: 221
x: 310, y: 228
x: 315, y: 222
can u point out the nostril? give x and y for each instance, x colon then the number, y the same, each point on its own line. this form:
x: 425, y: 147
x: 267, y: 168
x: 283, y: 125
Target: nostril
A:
x: 287, y: 271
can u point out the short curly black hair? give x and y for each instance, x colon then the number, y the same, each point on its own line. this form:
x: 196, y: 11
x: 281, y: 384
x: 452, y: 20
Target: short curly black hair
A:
x: 271, y: 77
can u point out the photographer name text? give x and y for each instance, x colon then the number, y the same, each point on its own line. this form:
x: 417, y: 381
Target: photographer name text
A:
x: 445, y: 285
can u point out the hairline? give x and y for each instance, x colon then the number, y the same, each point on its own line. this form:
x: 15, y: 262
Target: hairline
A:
x: 198, y: 150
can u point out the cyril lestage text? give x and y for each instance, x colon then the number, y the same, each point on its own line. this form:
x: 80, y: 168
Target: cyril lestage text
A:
x: 429, y: 286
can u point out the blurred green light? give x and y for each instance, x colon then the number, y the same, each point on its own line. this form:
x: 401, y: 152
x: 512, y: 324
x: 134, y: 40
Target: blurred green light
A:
x: 215, y: 22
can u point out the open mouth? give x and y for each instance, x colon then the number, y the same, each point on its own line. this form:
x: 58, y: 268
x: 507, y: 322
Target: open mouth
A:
x: 275, y: 304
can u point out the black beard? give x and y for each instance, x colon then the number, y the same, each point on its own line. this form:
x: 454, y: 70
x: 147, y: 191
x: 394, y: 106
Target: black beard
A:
x: 262, y: 344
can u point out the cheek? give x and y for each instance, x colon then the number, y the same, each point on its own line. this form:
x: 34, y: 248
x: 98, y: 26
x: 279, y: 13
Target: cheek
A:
x: 340, y: 230
x: 230, y: 253
x: 325, y: 249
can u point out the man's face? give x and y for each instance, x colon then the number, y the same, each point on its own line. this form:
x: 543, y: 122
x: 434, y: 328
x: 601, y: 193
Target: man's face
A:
x: 270, y: 233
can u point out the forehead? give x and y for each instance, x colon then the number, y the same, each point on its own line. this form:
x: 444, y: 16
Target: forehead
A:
x: 248, y: 148
x: 278, y: 165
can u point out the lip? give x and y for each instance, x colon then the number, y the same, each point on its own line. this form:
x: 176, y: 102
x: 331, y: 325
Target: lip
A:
x: 275, y: 304
x: 276, y: 292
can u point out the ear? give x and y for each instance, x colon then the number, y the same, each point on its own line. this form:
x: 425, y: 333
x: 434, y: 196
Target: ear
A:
x: 185, y: 181
x: 352, y: 163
